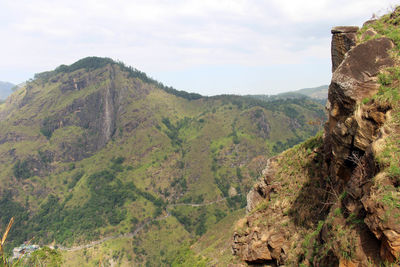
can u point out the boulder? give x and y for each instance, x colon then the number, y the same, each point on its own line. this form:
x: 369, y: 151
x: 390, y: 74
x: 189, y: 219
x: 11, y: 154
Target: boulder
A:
x: 344, y: 38
x: 349, y: 127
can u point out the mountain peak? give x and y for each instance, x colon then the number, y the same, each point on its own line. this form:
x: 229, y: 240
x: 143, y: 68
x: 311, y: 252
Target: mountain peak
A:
x: 94, y: 63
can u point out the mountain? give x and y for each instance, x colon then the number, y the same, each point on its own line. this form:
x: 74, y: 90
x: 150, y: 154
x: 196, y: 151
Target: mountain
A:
x: 112, y: 166
x: 318, y: 94
x: 334, y: 199
x: 5, y: 89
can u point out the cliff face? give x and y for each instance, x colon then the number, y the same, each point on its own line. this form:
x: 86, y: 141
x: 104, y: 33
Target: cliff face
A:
x: 343, y: 39
x: 95, y: 112
x: 97, y: 131
x: 343, y: 208
x: 351, y: 129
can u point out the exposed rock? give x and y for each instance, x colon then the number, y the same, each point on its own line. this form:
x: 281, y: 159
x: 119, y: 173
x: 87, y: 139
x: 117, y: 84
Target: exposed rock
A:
x: 386, y: 228
x: 96, y: 113
x: 352, y: 133
x: 347, y: 263
x: 73, y: 84
x: 344, y: 38
x: 260, y: 244
x: 269, y: 231
x: 368, y: 22
x: 350, y: 128
x: 262, y: 188
x: 344, y: 29
x: 368, y: 34
x: 260, y: 119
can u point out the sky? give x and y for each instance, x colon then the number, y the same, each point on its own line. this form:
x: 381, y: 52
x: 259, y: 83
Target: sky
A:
x: 205, y: 46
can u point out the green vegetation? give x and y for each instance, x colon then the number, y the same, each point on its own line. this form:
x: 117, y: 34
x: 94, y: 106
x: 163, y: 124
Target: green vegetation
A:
x: 186, y: 257
x: 386, y: 26
x: 332, y: 223
x: 22, y: 169
x: 318, y: 94
x: 92, y: 63
x: 389, y: 90
x: 388, y: 96
x: 73, y: 184
x: 49, y: 125
x: 45, y: 257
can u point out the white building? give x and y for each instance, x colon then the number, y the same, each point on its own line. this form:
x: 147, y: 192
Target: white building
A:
x: 24, y: 250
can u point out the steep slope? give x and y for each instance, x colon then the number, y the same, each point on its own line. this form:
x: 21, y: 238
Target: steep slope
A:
x: 111, y: 165
x: 334, y: 200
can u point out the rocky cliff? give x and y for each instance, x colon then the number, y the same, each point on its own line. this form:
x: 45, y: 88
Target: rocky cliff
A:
x: 99, y: 153
x: 335, y: 200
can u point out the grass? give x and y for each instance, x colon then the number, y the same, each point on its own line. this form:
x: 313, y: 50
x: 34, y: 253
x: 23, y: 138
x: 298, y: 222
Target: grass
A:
x: 319, y: 220
x: 384, y: 26
x: 152, y: 162
x: 387, y: 150
x: 297, y: 185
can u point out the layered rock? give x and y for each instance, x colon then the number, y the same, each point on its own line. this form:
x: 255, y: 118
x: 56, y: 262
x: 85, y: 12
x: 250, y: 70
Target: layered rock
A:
x: 276, y: 215
x: 351, y: 137
x: 350, y: 128
x: 263, y: 187
x: 351, y: 133
x: 255, y: 244
x: 343, y: 39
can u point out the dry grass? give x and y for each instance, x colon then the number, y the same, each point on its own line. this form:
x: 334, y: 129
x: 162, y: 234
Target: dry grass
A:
x: 3, y: 258
x: 4, y: 262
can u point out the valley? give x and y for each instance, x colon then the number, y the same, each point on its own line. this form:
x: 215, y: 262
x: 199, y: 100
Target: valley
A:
x: 98, y: 153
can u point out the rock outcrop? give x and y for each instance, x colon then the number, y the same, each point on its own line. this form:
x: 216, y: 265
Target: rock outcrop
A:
x: 97, y: 112
x: 353, y: 225
x: 352, y: 132
x: 350, y: 128
x: 343, y: 39
x: 275, y: 216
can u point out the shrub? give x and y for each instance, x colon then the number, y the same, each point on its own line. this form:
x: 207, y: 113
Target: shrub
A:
x: 22, y: 169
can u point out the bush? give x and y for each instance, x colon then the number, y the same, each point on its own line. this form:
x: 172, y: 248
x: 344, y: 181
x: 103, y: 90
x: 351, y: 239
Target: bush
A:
x: 45, y: 257
x: 48, y: 126
x: 75, y: 178
x: 22, y: 169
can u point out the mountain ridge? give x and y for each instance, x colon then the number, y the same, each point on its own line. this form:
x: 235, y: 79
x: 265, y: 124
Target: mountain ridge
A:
x: 97, y: 133
x: 5, y: 89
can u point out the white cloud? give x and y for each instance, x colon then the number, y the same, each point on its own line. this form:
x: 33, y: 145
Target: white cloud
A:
x: 171, y: 35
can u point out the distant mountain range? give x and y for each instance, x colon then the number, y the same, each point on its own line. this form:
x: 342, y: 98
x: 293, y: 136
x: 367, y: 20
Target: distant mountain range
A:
x: 98, y: 151
x: 5, y: 89
x: 318, y: 94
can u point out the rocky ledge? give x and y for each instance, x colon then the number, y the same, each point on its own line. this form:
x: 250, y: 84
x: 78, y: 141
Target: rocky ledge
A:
x: 326, y: 212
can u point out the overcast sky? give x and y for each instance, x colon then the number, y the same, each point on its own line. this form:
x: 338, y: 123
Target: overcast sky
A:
x: 204, y: 46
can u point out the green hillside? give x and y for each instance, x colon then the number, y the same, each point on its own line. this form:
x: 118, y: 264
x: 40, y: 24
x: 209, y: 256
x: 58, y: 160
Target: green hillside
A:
x: 99, y: 152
